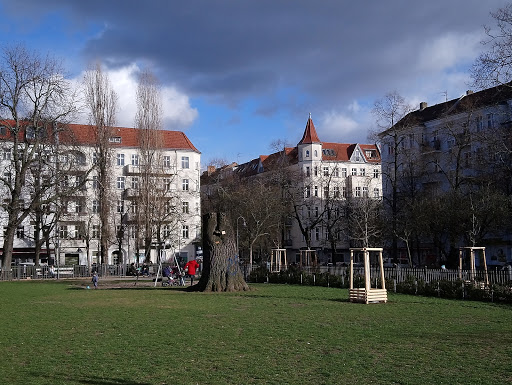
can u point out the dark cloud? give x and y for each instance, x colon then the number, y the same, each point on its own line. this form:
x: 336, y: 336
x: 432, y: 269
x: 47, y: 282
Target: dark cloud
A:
x: 332, y: 50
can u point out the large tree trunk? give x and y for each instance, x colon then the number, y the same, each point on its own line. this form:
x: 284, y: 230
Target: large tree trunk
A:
x: 221, y: 267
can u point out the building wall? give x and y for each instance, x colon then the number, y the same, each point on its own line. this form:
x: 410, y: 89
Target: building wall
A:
x: 183, y: 185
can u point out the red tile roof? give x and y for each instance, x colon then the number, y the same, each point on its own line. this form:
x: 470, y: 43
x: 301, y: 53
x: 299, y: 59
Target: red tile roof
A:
x: 310, y: 135
x: 83, y: 134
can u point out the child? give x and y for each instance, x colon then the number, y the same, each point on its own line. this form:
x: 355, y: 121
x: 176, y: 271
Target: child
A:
x: 95, y: 280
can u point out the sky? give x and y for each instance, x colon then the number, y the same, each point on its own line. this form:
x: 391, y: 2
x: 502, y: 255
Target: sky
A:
x: 239, y: 75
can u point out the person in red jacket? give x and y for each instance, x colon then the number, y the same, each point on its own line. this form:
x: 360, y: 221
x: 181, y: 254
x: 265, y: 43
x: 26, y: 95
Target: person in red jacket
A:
x: 190, y: 270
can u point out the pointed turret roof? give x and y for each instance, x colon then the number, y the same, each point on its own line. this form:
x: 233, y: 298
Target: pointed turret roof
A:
x: 310, y: 136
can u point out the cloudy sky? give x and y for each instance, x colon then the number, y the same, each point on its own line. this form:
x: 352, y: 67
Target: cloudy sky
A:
x: 238, y: 75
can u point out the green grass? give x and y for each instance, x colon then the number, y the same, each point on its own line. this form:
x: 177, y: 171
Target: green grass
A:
x: 58, y: 333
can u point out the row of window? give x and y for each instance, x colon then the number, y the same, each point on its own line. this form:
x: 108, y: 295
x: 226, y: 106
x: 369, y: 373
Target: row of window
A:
x: 166, y: 160
x: 344, y: 170
x: 74, y: 231
x: 121, y: 183
x: 341, y: 193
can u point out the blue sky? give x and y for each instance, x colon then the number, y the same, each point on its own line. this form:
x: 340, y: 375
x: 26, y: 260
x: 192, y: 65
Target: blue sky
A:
x: 238, y: 75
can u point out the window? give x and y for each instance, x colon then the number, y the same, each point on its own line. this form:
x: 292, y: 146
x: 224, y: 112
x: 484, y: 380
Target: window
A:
x: 167, y: 184
x: 358, y: 156
x: 307, y: 192
x: 120, y: 206
x: 316, y: 191
x: 365, y: 192
x: 336, y: 191
x: 184, y: 162
x: 326, y: 192
x: 376, y: 192
x: 166, y: 231
x: 307, y: 153
x: 95, y: 158
x: 167, y: 161
x: 168, y: 207
x: 354, y: 171
x: 6, y: 154
x: 135, y: 160
x: 73, y: 232
x: 316, y: 170
x: 358, y: 191
x: 490, y: 121
x: 343, y: 172
x: 184, y: 184
x: 336, y: 172
x: 135, y: 182
x: 375, y: 172
x: 479, y: 121
x: 184, y: 231
x: 3, y: 130
x: 20, y: 232
x: 95, y: 206
x: 185, y: 207
x: 326, y: 171
x: 307, y: 171
x: 114, y: 139
x: 344, y: 191
x: 316, y: 154
x: 63, y: 232
x: 78, y: 207
x: 316, y: 211
x: 95, y: 182
x: 120, y: 182
x: 95, y: 233
x: 134, y: 207
x: 362, y: 172
x: 120, y: 159
x: 317, y: 233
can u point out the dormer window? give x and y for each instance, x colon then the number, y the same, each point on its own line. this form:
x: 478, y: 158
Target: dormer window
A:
x: 114, y: 139
x: 369, y: 154
x: 307, y: 153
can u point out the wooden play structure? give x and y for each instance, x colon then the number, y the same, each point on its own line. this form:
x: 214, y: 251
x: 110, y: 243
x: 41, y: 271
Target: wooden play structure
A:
x: 472, y: 263
x: 308, y: 258
x: 278, y: 260
x: 367, y: 294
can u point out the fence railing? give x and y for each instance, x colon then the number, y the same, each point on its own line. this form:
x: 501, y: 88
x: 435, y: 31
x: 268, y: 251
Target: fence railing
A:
x: 67, y: 271
x: 401, y: 274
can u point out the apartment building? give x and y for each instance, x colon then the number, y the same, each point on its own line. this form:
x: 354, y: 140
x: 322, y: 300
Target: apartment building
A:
x: 172, y: 208
x: 327, y: 174
x: 461, y: 146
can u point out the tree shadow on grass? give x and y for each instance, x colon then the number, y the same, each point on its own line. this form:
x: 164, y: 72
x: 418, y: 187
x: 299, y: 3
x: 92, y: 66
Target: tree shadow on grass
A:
x: 93, y: 380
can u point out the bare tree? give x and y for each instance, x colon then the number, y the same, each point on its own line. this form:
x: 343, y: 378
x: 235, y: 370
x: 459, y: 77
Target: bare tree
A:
x: 390, y: 113
x: 34, y: 98
x: 101, y: 102
x: 494, y: 66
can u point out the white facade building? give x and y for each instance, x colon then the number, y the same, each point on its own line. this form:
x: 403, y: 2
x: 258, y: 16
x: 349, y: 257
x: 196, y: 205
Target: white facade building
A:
x: 75, y: 238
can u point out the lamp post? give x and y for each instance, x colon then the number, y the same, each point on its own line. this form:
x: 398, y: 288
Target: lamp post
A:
x: 237, y: 244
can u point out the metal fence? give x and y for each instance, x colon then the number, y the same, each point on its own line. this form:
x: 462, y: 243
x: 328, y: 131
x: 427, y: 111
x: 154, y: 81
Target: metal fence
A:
x: 401, y: 274
x: 67, y: 271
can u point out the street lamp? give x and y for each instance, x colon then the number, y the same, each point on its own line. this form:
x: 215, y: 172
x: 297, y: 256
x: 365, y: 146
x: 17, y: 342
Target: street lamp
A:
x: 237, y: 245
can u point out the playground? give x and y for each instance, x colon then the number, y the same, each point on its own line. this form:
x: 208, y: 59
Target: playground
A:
x: 61, y: 333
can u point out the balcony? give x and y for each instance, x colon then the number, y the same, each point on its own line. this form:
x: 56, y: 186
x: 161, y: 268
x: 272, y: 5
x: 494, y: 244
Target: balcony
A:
x: 130, y: 169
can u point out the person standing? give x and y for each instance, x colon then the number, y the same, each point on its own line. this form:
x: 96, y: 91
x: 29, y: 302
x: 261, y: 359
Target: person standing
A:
x: 95, y: 280
x: 190, y: 270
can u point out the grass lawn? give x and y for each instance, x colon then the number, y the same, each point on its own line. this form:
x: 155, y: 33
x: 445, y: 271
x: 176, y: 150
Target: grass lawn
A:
x: 59, y: 333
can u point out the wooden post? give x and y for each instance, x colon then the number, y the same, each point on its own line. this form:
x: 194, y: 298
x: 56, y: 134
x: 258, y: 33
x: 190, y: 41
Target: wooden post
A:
x: 381, y: 262
x: 351, y: 269
x: 485, y: 268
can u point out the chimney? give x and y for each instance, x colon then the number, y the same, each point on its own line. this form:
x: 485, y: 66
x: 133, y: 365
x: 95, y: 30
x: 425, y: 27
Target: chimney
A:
x: 423, y: 105
x: 469, y: 92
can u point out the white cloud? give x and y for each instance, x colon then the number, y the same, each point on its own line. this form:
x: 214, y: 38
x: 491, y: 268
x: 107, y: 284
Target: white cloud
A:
x: 178, y: 114
x: 449, y: 50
